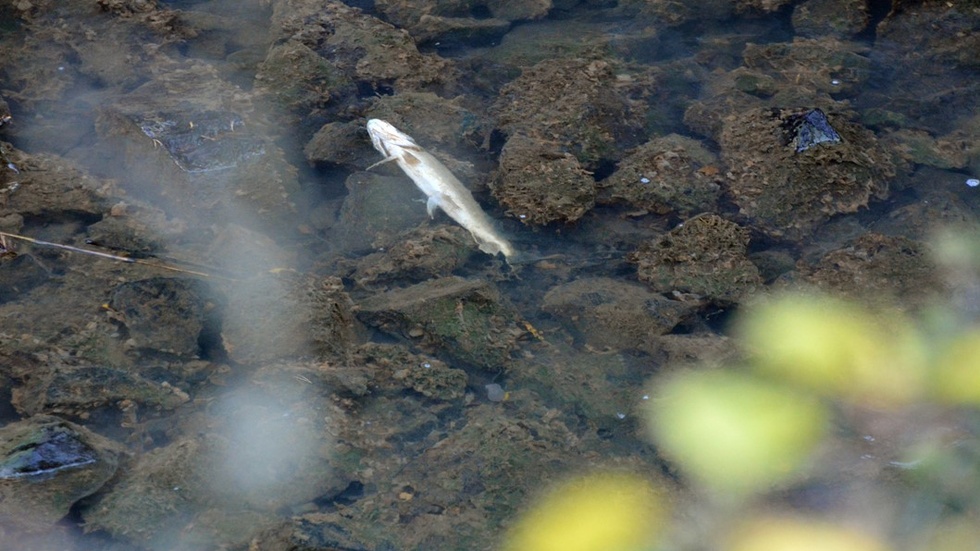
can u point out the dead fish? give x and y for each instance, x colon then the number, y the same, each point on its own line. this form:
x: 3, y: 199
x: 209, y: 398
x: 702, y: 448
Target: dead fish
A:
x: 443, y: 189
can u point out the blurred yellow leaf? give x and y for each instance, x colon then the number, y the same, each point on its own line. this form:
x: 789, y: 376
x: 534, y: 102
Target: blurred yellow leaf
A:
x: 784, y: 534
x: 957, y: 374
x: 735, y: 433
x: 836, y: 348
x: 608, y: 512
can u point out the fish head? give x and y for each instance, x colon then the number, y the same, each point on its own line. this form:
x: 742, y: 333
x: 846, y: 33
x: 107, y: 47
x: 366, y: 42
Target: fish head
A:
x: 384, y: 136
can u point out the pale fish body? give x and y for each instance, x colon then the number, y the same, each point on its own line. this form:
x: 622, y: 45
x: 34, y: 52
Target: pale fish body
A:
x: 438, y: 184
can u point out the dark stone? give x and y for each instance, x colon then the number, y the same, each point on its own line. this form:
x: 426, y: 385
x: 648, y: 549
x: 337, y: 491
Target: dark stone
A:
x: 808, y: 129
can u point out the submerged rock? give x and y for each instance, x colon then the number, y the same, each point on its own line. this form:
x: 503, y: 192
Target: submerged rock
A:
x: 46, y: 465
x: 464, y: 319
x: 788, y: 192
x: 430, y: 20
x: 193, y: 140
x: 705, y: 255
x: 420, y: 254
x: 162, y: 314
x: 612, y: 314
x: 668, y: 174
x: 589, y: 108
x: 810, y: 128
x: 539, y: 184
x: 881, y: 269
x: 80, y: 390
x: 276, y: 316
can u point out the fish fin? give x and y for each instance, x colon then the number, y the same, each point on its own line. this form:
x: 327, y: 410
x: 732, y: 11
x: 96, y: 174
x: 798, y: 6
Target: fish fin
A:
x: 381, y: 162
x: 431, y: 205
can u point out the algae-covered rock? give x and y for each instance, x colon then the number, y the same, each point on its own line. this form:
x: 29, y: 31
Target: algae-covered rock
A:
x: 706, y: 255
x: 839, y: 18
x: 423, y: 253
x: 377, y: 209
x: 825, y: 65
x: 463, y: 319
x: 789, y: 192
x: 953, y: 46
x: 608, y: 313
x: 539, y: 184
x: 459, y: 490
x: 430, y: 20
x: 432, y: 120
x: 271, y: 317
x: 48, y: 184
x: 589, y: 108
x: 922, y: 148
x: 80, y: 390
x: 679, y: 12
x: 881, y: 269
x: 299, y: 79
x: 668, y: 174
x: 394, y: 369
x: 340, y: 144
x: 362, y: 47
x: 192, y: 141
x: 601, y: 387
x: 46, y: 465
x: 258, y: 449
x: 162, y: 314
x: 527, y: 45
x: 141, y: 505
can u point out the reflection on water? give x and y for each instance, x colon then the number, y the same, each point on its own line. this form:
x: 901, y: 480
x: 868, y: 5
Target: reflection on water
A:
x: 348, y: 373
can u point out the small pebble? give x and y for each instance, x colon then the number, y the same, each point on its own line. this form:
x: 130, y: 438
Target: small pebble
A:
x: 973, y: 182
x: 644, y: 180
x: 835, y: 82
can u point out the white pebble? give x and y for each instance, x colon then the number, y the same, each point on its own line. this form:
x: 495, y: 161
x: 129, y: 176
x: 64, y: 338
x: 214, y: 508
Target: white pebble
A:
x: 835, y: 82
x: 495, y: 392
x: 644, y: 180
x: 973, y: 182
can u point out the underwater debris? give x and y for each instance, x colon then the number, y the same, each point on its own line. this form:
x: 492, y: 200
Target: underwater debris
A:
x: 810, y: 128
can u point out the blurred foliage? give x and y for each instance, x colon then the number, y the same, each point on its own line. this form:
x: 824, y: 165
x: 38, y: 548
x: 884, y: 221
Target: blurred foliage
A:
x: 603, y: 512
x: 789, y: 534
x: 819, y: 379
x: 734, y: 432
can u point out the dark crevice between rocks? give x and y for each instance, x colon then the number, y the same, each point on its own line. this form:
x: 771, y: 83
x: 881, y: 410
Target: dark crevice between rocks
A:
x: 353, y: 492
x: 878, y: 10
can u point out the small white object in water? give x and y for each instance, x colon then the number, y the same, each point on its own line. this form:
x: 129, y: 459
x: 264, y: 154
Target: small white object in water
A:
x: 973, y: 182
x: 644, y: 180
x: 835, y: 82
x: 495, y: 392
x: 620, y: 415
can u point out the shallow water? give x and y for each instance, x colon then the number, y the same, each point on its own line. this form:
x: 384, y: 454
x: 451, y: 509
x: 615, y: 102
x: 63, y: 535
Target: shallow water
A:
x: 305, y: 355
